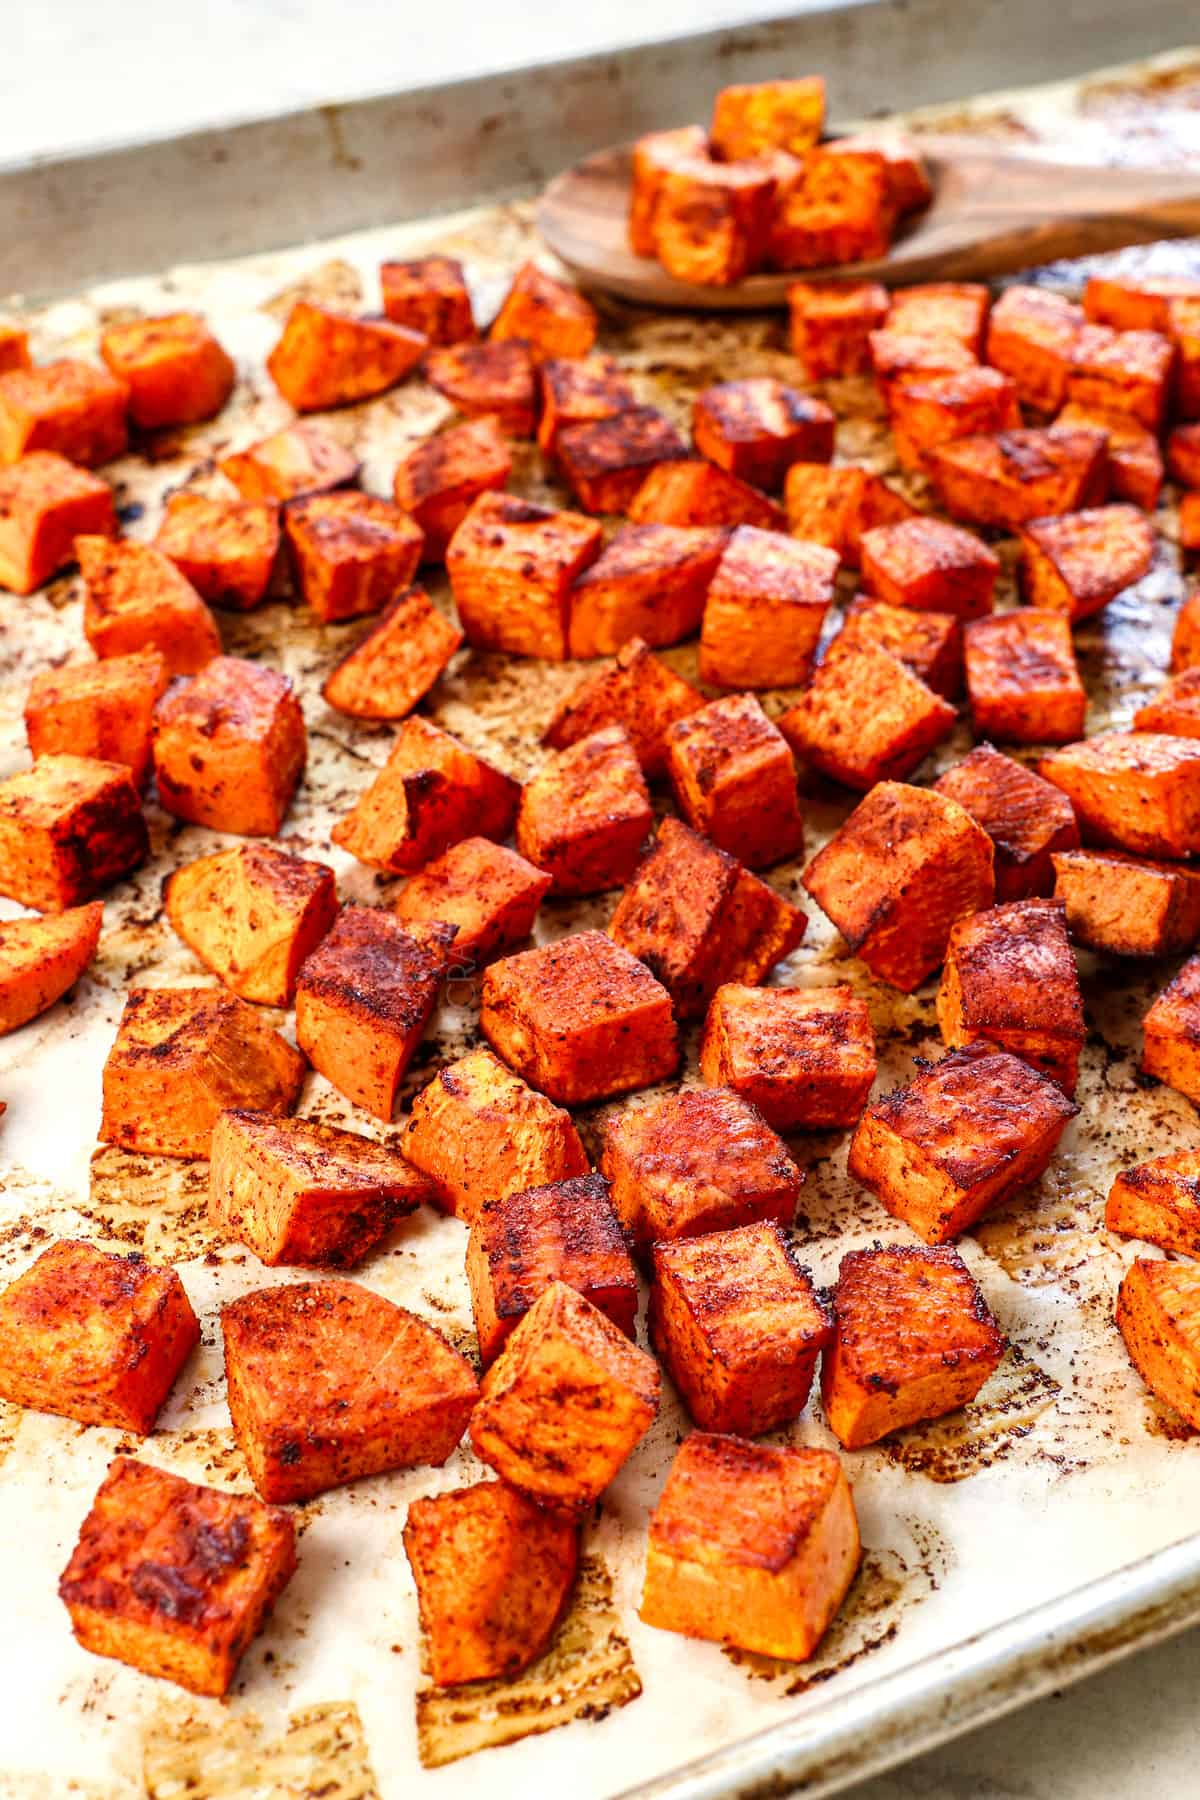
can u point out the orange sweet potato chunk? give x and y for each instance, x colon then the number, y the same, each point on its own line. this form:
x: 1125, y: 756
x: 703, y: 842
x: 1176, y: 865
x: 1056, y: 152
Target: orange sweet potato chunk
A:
x: 928, y: 643
x: 1027, y: 819
x: 69, y: 827
x: 830, y: 325
x: 648, y: 582
x: 944, y: 309
x: 1175, y: 709
x: 579, y: 390
x: 230, y: 747
x: 512, y: 565
x: 1032, y: 334
x: 45, y: 504
x: 547, y: 315
x: 1159, y: 1202
x: 41, y: 958
x: 1158, y: 1315
x: 1010, y: 978
x: 1134, y: 789
x: 836, y: 208
x: 69, y: 407
x: 174, y: 368
x: 498, y: 378
x: 653, y: 156
x: 835, y: 506
x: 1135, y: 463
x: 1136, y: 303
x: 326, y: 358
x: 637, y: 691
x: 764, y: 611
x: 1185, y: 642
x: 605, y: 461
x: 768, y: 115
x: 428, y: 295
x: 1189, y: 523
x: 136, y: 599
x: 757, y: 428
x: 1128, y: 370
x: 1183, y: 455
x: 252, y: 915
x: 586, y: 814
x: 397, y: 662
x: 1023, y: 683
x: 439, y: 481
x: 711, y: 222
x: 931, y: 408
x: 227, y: 549
x: 865, y: 717
x: 695, y: 492
x: 289, y: 464
x: 1010, y: 477
x: 1125, y: 906
x: 352, y: 553
x: 930, y: 565
x: 1171, y: 1033
x: 1077, y: 564
x: 103, y: 710
x: 489, y: 893
x: 14, y: 347
x: 802, y: 1057
x: 734, y: 780
x: 901, y: 354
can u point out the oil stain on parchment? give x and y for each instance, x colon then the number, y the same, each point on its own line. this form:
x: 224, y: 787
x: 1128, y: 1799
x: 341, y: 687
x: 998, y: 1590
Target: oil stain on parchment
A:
x: 321, y: 1752
x: 982, y: 1433
x: 156, y: 1204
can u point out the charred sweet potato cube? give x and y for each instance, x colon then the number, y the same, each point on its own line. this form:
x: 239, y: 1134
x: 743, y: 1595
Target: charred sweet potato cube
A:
x: 439, y: 481
x: 930, y: 409
x: 652, y: 156
x: 479, y: 1133
x: 69, y: 407
x: 428, y: 295
x: 1135, y: 303
x: 352, y: 553
x: 135, y: 599
x: 1027, y: 819
x: 757, y: 428
x: 753, y: 117
x: 290, y: 464
x: 1128, y: 370
x: 1023, y: 682
x: 605, y: 461
x: 295, y: 1191
x: 1189, y: 523
x: 1010, y: 477
x: 1127, y: 907
x: 1031, y: 336
x: 1158, y: 1315
x: 734, y: 780
x: 521, y: 1242
x: 41, y: 958
x: 363, y: 1000
x: 649, y: 582
x: 712, y: 222
x: 586, y: 814
x: 103, y: 710
x: 751, y: 1545
x: 430, y: 793
x: 950, y: 309
x: 765, y: 608
x: 174, y: 368
x: 697, y: 493
x: 487, y: 892
x: 326, y: 358
x: 227, y: 549
x: 906, y: 864
x: 1175, y: 709
x: 875, y: 1379
x: 802, y: 1057
x: 1171, y: 1033
x: 579, y: 390
x: 928, y: 643
x: 738, y: 1325
x: 966, y: 1133
x: 69, y: 827
x: 1135, y: 789
x: 930, y: 565
x: 900, y: 355
x: 14, y: 347
x: 865, y: 717
x: 580, y: 1019
x: 329, y: 1382
x: 94, y: 1336
x: 493, y: 1572
x: 831, y: 323
x: 1183, y: 455
x: 636, y: 691
x: 566, y: 1402
x: 838, y: 208
x: 1159, y: 1202
x: 45, y: 504
x: 1135, y: 464
x: 397, y: 662
x: 835, y: 506
x: 496, y: 378
x: 1077, y: 564
x: 512, y: 566
x: 230, y: 747
x: 1185, y: 641
x: 252, y: 915
x: 1010, y: 978
x: 549, y: 316
x: 175, y: 1579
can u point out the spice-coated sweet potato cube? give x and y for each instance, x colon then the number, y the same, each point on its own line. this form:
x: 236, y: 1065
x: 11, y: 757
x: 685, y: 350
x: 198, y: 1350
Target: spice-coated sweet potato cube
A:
x: 930, y: 409
x: 803, y: 1057
x: 966, y: 1133
x: 493, y: 1572
x: 905, y: 865
x: 635, y: 690
x: 928, y: 643
x: 439, y: 481
x: 326, y: 358
x: 865, y: 717
x: 652, y: 156
x: 363, y: 1000
x: 521, y: 1242
x: 352, y: 552
x: 943, y: 309
x: 1188, y: 523
x: 1158, y: 1315
x: 696, y: 492
x: 930, y: 565
x: 94, y: 1336
x: 1077, y: 564
x: 103, y: 710
x: 69, y: 827
x: 295, y: 1191
x: 498, y: 379
x: 835, y: 506
x: 734, y: 780
x: 512, y: 565
x: 586, y: 814
x: 479, y: 1132
x: 751, y: 1545
x: 1128, y: 370
x: 1171, y: 1033
x: 329, y: 1382
x: 1183, y: 324
x: 649, y: 582
x: 756, y: 116
x: 757, y: 428
x: 876, y: 1378
x: 1159, y: 1202
x: 764, y: 611
x: 397, y: 662
x: 712, y: 221
x: 135, y: 599
x: 45, y: 504
x: 252, y: 915
x: 696, y: 918
x: 605, y: 461
x: 1135, y: 463
x: 1183, y: 455
x: 289, y: 464
x: 230, y: 747
x: 428, y: 295
x: 1027, y: 819
x: 579, y: 390
x: 1010, y: 477
x: 566, y: 1402
x: 1175, y: 708
x: 580, y: 1019
x: 174, y: 368
x: 175, y: 1579
x: 486, y: 891
x: 14, y: 347
x: 1136, y: 303
x: 72, y: 408
x: 227, y: 549
x: 837, y: 209
x: 430, y: 793
x: 1126, y: 906
x: 1010, y: 978
x: 41, y: 958
x: 738, y: 1326
x: 549, y: 316
x: 1023, y: 683
x: 831, y: 323
x: 1031, y: 337
x: 1135, y: 789
x: 1185, y: 641
x: 901, y: 355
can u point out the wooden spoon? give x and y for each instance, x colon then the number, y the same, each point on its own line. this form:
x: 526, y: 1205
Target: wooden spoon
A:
x: 993, y: 210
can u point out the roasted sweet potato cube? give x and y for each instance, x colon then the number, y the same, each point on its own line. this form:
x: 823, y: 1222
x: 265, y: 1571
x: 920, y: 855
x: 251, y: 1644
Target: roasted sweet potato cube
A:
x: 1023, y: 683
x: 547, y: 315
x: 579, y: 390
x: 928, y: 643
x: 175, y: 1579
x: 930, y: 565
x: 289, y: 464
x: 352, y: 553
x: 838, y: 208
x: 521, y: 1242
x: 1027, y: 819
x: 174, y: 368
x: 751, y: 1545
x: 1183, y: 324
x: 735, y: 781
x: 1128, y: 370
x: 136, y: 599
x: 498, y: 379
x: 1159, y: 1202
x: 649, y: 582
x: 94, y: 1336
x: 1175, y: 709
x: 697, y: 493
x: 757, y: 428
x: 1127, y: 907
x: 69, y: 827
x: 768, y: 115
x: 1010, y: 477
x: 1031, y: 336
x: 487, y: 892
x: 1135, y: 464
x: 103, y: 710
x: 227, y: 549
x: 951, y: 309
x: 14, y: 347
x: 1135, y: 789
x: 566, y: 1402
x: 1183, y: 455
x: 835, y: 506
x: 512, y: 565
x: 1077, y: 564
x: 765, y: 608
x: 1158, y: 1315
x: 906, y: 864
x: 439, y: 481
x: 1171, y: 1033
x: 363, y: 1000
x: 652, y: 156
x: 696, y: 918
x: 397, y: 662
x: 712, y: 221
x: 876, y: 1377
x: 70, y: 407
x: 41, y: 958
x: 1185, y: 641
x: 1010, y: 978
x: 326, y: 358
x: 580, y: 1019
x: 898, y: 354
x: 428, y: 295
x: 802, y: 1057
x: 930, y: 409
x: 1135, y: 303
x: 586, y: 814
x: 329, y: 1382
x: 494, y: 1572
x: 636, y: 691
x: 230, y: 747
x: 1188, y: 523
x: 430, y: 793
x: 831, y: 323
x: 252, y: 915
x: 480, y: 1133
x: 605, y: 461
x: 966, y: 1133
x: 45, y: 504
x: 295, y: 1191
x: 865, y: 717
